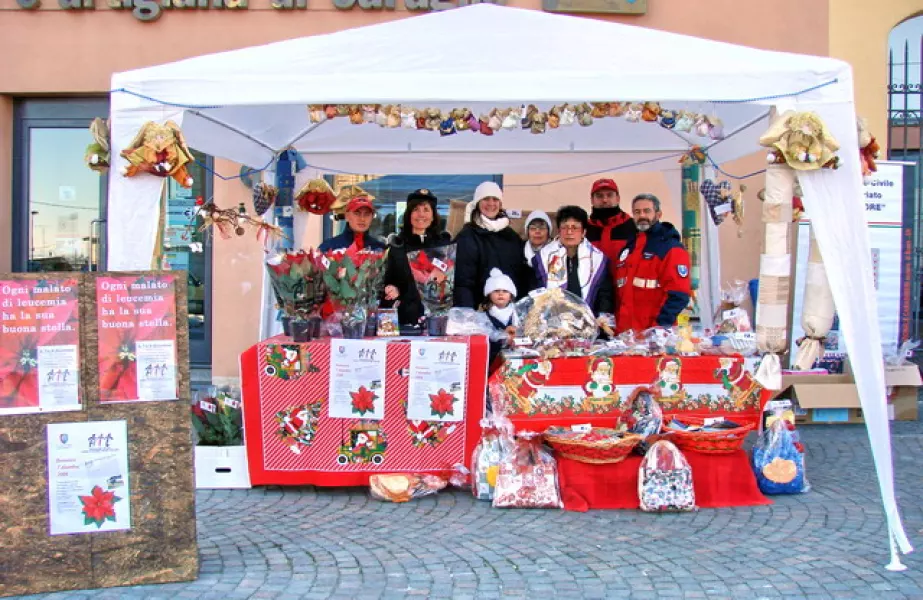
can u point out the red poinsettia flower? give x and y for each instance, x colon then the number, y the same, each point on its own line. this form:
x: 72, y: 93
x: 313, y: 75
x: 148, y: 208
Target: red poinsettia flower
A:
x: 118, y: 373
x: 296, y: 257
x: 99, y: 506
x: 363, y: 401
x: 442, y: 403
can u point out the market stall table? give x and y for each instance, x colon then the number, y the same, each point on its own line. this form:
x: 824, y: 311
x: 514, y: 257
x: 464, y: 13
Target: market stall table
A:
x: 292, y: 440
x: 596, y: 390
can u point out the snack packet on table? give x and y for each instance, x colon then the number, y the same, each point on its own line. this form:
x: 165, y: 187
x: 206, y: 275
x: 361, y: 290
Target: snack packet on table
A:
x: 557, y: 321
x: 528, y: 476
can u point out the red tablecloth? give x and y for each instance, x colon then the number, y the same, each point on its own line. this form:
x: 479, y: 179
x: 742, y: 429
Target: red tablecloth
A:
x: 719, y: 480
x: 271, y: 389
x: 596, y: 390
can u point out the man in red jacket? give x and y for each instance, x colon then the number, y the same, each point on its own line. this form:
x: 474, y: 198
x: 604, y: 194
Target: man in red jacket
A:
x: 609, y: 227
x: 652, y: 271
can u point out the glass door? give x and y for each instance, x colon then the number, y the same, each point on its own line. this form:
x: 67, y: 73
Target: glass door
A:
x: 59, y: 203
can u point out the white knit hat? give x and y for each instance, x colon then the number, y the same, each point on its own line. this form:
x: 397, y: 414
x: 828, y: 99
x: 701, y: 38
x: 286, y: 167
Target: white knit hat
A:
x: 498, y: 280
x: 538, y: 215
x: 487, y: 189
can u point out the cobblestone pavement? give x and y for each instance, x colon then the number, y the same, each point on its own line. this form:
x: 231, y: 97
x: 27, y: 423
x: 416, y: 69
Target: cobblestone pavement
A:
x: 323, y: 543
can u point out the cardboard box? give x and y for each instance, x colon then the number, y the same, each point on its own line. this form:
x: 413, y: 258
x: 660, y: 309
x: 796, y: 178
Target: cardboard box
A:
x: 834, y: 399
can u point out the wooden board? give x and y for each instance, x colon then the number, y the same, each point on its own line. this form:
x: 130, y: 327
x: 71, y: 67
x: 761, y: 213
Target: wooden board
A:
x: 161, y: 545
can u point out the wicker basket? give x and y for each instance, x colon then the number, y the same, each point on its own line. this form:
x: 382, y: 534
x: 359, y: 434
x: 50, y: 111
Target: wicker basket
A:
x: 614, y: 448
x: 707, y: 442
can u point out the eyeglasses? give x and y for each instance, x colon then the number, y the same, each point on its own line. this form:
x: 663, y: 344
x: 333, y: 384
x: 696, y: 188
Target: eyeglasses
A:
x: 570, y: 228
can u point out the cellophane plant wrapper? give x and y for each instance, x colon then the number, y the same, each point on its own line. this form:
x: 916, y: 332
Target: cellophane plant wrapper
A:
x: 353, y: 279
x: 297, y: 280
x: 433, y: 271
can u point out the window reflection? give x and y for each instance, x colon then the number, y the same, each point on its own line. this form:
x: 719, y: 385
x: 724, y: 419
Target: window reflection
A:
x: 64, y: 199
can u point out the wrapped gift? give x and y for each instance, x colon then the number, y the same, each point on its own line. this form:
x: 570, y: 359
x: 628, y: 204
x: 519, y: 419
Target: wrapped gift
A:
x: 485, y: 462
x: 778, y: 460
x: 665, y: 480
x: 528, y: 476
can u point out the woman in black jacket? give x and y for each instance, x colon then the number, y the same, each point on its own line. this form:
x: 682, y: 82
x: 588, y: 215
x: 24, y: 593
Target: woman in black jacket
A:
x: 486, y: 242
x: 421, y: 228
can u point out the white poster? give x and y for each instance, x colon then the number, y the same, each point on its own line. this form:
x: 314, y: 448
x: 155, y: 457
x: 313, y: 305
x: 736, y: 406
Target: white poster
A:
x: 884, y: 211
x: 88, y: 488
x: 58, y: 376
x: 156, y: 369
x: 438, y: 381
x: 357, y: 379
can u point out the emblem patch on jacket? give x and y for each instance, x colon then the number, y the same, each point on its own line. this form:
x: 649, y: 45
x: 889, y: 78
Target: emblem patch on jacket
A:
x: 683, y: 270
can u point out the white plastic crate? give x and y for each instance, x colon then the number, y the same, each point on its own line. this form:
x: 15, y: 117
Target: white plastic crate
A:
x: 221, y: 467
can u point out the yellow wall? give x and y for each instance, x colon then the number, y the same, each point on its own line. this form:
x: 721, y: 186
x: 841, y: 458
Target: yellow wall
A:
x: 858, y: 31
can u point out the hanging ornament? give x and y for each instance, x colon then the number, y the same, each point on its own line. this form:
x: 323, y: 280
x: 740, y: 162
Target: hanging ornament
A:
x: 617, y: 109
x: 368, y: 113
x: 316, y: 112
x: 633, y: 112
x: 264, y: 196
x: 868, y: 148
x: 408, y: 118
x: 159, y: 150
x: 234, y: 221
x: 97, y: 154
x: 355, y: 114
x: 685, y: 121
x: 316, y: 197
x: 650, y: 112
x: 667, y: 119
x: 801, y: 140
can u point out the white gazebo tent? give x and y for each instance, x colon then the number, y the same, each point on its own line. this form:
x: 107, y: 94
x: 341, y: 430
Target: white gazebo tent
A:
x: 248, y: 105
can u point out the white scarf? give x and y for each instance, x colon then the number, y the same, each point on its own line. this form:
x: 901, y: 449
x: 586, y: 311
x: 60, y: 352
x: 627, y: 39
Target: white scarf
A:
x: 530, y: 251
x: 554, y: 259
x: 492, y: 225
x: 504, y: 315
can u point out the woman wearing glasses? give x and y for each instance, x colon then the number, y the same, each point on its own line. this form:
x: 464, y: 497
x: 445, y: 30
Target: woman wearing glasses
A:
x: 572, y: 263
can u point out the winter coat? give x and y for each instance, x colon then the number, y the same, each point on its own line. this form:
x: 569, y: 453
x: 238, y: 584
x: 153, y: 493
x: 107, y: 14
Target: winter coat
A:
x: 346, y: 239
x: 397, y: 273
x: 592, y: 272
x: 652, y: 279
x: 479, y: 251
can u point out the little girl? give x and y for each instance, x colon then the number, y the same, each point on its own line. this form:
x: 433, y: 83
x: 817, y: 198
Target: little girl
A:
x: 499, y: 290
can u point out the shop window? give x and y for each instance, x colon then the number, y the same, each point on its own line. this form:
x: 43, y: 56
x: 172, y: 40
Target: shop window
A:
x: 391, y: 191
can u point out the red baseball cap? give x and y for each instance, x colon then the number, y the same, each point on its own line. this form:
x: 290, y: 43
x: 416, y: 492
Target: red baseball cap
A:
x: 359, y: 202
x: 604, y: 184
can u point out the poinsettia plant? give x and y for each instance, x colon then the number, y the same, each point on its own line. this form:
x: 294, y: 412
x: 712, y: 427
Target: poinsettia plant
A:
x: 298, y: 282
x: 433, y: 271
x: 354, y: 278
x: 217, y: 417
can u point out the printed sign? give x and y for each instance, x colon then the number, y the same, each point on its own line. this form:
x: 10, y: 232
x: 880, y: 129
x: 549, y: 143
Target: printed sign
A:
x: 137, y: 337
x: 438, y: 380
x: 39, y: 345
x: 88, y: 488
x: 357, y: 379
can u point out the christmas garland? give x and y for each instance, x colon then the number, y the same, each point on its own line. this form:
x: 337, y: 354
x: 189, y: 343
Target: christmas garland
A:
x: 450, y: 122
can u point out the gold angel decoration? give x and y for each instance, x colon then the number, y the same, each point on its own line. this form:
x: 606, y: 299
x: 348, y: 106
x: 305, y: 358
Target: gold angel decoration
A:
x: 159, y: 150
x: 97, y: 154
x: 801, y: 140
x: 737, y: 209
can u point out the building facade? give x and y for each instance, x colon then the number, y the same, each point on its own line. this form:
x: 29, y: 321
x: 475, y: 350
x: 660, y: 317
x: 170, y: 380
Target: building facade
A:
x: 61, y: 54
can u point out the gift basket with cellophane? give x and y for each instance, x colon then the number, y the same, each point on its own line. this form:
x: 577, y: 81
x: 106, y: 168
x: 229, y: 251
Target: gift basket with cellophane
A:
x: 557, y: 322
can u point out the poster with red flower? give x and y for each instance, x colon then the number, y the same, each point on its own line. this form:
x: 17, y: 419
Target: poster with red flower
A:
x: 39, y: 345
x: 137, y: 337
x: 88, y: 483
x: 438, y: 380
x: 357, y: 379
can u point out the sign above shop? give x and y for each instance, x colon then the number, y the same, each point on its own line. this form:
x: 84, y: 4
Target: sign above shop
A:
x: 611, y: 7
x: 150, y: 10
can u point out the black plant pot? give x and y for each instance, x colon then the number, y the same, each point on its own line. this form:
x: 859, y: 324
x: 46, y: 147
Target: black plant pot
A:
x: 301, y: 331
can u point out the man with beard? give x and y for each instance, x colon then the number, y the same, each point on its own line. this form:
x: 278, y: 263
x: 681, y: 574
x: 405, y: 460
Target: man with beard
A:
x: 652, y: 271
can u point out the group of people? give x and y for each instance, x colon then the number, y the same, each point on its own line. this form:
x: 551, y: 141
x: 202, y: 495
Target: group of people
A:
x: 630, y: 268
